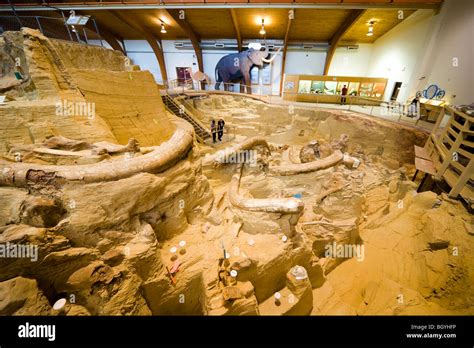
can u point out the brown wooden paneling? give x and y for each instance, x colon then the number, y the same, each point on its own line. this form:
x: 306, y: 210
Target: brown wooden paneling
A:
x: 211, y: 23
x: 226, y: 1
x: 319, y: 1
x: 272, y: 1
x: 316, y: 25
x: 250, y: 22
x: 384, y: 20
x: 365, y: 2
x: 417, y: 1
x: 181, y: 1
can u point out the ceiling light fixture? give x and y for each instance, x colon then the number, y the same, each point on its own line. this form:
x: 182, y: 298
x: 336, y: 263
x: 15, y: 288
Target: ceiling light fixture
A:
x: 163, y: 29
x: 371, y: 28
x: 262, y: 31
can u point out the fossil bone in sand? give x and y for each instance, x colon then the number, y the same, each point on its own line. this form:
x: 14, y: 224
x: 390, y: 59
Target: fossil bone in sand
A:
x: 298, y: 168
x: 164, y: 156
x: 269, y: 205
x: 248, y: 144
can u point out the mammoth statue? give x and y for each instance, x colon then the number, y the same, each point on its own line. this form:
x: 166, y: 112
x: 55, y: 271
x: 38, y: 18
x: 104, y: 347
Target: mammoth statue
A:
x: 236, y: 67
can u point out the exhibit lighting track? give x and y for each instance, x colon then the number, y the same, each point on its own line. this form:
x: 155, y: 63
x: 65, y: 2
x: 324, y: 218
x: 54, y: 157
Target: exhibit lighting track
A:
x: 115, y: 6
x: 231, y: 45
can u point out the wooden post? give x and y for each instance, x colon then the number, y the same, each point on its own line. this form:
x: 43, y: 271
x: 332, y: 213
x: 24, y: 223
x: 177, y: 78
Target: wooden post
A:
x: 336, y: 38
x: 285, y: 46
x: 463, y: 179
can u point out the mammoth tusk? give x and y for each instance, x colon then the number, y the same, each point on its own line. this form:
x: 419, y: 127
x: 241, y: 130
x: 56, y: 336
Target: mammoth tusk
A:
x: 248, y: 144
x: 158, y: 160
x: 330, y: 161
x: 268, y: 205
x: 268, y: 61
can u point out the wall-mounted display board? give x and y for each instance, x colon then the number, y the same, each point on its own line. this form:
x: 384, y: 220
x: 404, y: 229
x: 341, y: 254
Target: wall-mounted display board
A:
x: 328, y: 89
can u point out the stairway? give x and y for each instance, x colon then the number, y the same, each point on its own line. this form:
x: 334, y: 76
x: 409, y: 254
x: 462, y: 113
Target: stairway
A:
x: 201, y: 133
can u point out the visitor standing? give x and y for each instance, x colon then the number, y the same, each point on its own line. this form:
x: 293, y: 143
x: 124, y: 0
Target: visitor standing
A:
x: 343, y: 95
x: 220, y: 129
x: 213, y: 130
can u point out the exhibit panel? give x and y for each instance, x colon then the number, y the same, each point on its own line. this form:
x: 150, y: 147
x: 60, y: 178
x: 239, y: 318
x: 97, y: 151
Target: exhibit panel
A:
x: 328, y: 89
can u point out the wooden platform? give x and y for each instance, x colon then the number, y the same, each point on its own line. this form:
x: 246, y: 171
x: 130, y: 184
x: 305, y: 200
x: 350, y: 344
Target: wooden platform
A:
x: 422, y: 153
x: 426, y: 166
x: 451, y: 150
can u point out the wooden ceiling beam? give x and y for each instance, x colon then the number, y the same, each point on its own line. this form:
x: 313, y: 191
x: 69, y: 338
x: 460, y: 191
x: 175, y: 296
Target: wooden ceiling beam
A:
x: 236, y: 28
x: 153, y: 41
x: 112, y: 39
x: 195, y: 39
x: 351, y: 19
x: 291, y: 16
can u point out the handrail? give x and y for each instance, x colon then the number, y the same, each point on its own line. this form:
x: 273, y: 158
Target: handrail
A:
x: 174, y: 85
x: 201, y: 115
x: 188, y: 114
x: 191, y: 112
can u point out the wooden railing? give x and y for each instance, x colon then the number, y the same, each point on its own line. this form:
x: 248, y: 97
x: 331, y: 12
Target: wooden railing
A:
x: 451, y: 150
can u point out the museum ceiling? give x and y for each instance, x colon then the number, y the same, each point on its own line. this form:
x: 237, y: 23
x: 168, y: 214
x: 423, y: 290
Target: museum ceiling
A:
x: 310, y: 24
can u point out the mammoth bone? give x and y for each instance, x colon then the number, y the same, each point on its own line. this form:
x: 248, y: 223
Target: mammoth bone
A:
x: 268, y: 205
x: 218, y: 157
x: 158, y: 160
x: 330, y: 161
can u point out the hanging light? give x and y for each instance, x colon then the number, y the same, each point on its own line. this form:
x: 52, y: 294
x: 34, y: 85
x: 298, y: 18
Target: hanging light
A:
x: 262, y: 31
x: 163, y: 29
x: 371, y: 29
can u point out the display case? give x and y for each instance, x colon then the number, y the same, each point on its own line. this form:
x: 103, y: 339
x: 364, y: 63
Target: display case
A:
x: 354, y: 88
x: 378, y: 90
x: 304, y: 87
x: 317, y: 87
x: 366, y: 89
x: 328, y: 89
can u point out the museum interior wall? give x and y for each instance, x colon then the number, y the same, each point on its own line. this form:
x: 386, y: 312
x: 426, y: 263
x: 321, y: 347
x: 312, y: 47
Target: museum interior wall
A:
x: 419, y: 52
x: 395, y: 54
x: 414, y: 52
x: 452, y: 37
x: 351, y: 62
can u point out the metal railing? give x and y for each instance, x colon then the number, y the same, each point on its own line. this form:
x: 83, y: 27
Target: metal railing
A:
x: 176, y: 86
x: 202, y: 118
x: 52, y: 27
x: 201, y: 131
x: 366, y: 105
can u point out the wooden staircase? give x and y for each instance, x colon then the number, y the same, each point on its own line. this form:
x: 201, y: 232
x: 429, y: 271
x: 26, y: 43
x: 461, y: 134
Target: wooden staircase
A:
x: 452, y: 153
x: 202, y: 134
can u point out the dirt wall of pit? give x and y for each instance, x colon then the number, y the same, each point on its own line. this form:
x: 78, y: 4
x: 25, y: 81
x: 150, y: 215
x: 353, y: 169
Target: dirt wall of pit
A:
x: 127, y: 104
